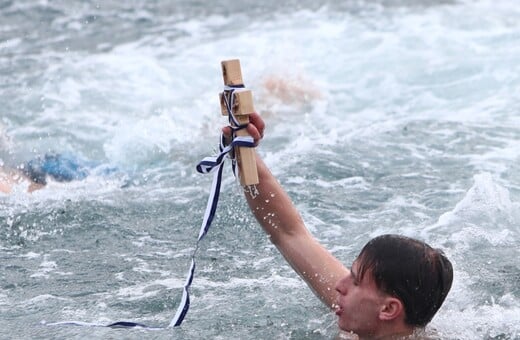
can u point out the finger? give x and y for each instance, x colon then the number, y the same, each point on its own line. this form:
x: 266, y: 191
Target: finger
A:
x: 226, y: 131
x: 256, y: 120
x: 253, y: 132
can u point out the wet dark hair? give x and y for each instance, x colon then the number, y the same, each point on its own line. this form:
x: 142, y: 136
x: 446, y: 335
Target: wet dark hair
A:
x: 417, y: 274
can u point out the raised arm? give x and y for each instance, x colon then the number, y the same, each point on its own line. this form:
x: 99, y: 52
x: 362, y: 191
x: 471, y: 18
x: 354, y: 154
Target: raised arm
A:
x: 279, y: 218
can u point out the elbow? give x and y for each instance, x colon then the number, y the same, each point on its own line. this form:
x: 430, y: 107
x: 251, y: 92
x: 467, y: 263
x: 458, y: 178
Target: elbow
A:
x: 284, y: 237
x: 274, y: 238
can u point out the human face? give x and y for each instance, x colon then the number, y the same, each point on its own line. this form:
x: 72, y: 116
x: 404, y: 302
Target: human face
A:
x: 359, y: 303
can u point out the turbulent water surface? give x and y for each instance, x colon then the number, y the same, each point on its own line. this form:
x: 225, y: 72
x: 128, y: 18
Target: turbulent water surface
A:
x: 383, y: 117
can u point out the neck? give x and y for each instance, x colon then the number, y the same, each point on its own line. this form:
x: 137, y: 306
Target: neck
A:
x: 390, y: 334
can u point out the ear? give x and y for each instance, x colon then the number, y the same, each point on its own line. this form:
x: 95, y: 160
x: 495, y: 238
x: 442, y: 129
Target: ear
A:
x: 391, y: 309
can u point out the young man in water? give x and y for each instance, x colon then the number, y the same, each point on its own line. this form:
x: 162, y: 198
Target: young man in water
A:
x: 395, y: 286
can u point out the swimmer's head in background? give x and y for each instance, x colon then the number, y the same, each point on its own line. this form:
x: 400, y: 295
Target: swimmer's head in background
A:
x: 61, y: 168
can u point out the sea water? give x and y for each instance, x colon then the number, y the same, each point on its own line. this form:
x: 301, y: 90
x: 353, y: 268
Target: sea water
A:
x: 382, y: 117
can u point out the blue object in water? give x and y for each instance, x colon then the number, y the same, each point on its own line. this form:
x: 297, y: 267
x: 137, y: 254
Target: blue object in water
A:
x: 60, y: 167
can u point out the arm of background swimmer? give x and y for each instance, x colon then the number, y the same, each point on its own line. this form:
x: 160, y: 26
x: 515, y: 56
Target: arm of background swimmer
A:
x: 5, y: 183
x: 279, y: 218
x: 10, y: 178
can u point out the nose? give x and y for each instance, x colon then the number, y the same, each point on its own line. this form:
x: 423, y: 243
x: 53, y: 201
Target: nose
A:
x: 341, y: 285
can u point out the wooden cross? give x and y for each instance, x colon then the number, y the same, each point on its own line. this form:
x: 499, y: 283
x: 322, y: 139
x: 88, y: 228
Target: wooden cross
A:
x: 242, y: 107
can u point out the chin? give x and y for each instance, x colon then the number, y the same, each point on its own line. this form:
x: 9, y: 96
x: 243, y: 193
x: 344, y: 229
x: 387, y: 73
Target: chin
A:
x: 351, y: 329
x: 343, y: 325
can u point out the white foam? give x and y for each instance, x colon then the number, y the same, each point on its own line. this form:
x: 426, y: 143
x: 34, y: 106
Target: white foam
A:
x: 4, y: 300
x: 45, y: 268
x: 145, y: 140
x: 42, y: 298
x: 485, y: 199
x: 493, y: 319
x: 149, y: 289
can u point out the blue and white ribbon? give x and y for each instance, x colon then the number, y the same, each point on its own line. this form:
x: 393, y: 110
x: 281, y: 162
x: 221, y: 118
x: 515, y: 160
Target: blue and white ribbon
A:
x: 207, y: 165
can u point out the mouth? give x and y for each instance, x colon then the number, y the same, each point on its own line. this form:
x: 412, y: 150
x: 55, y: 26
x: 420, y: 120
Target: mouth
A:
x: 337, y: 308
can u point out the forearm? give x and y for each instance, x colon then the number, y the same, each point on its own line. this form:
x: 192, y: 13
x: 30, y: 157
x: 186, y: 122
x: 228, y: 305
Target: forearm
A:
x: 273, y: 208
x: 279, y: 218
